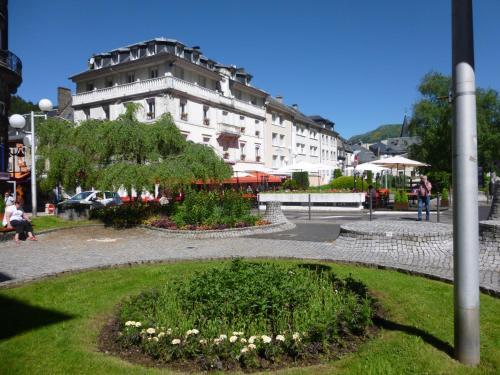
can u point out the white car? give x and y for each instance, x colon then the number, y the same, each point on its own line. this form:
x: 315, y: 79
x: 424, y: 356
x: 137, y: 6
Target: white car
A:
x: 92, y: 199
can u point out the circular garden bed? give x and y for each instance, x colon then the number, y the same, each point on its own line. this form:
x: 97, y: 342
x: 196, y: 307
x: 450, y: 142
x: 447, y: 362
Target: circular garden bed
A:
x: 243, y: 316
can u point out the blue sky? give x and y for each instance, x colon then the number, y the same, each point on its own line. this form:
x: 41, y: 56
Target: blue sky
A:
x: 357, y: 62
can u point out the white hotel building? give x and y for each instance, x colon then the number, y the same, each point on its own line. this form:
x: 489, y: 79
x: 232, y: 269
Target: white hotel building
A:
x: 212, y: 104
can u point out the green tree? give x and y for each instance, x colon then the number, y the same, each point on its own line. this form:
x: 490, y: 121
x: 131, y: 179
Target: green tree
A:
x: 20, y: 106
x: 124, y: 152
x: 432, y: 120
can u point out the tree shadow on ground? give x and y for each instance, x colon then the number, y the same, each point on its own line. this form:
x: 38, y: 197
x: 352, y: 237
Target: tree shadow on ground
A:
x: 18, y: 317
x: 4, y: 277
x: 424, y: 335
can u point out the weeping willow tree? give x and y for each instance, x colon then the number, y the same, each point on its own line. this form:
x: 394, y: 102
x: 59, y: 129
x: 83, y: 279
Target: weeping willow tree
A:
x: 124, y: 152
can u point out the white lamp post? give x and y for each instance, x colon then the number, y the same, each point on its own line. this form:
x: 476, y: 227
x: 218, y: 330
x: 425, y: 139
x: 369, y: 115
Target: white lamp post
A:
x: 18, y: 122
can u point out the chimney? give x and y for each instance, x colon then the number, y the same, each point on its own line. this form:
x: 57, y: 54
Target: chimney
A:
x: 279, y: 99
x: 295, y: 106
x: 64, y: 101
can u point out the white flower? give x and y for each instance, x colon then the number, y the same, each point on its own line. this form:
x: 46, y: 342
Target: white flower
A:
x: 243, y: 340
x: 194, y: 331
x: 149, y: 338
x: 203, y: 342
x: 280, y: 338
x: 222, y: 337
x: 217, y: 341
x: 161, y: 334
x: 233, y: 339
x: 151, y: 331
x: 266, y: 339
x: 296, y: 336
x: 237, y: 333
x: 129, y: 323
x: 244, y: 350
x: 252, y: 347
x: 156, y: 339
x: 189, y: 332
x: 138, y: 324
x: 176, y: 342
x: 169, y: 331
x: 252, y: 339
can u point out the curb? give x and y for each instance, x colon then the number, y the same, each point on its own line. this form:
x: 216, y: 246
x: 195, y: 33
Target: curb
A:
x: 223, y: 233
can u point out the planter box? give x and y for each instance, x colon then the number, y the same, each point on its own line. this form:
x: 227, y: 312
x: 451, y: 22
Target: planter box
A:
x: 401, y: 206
x: 320, y: 201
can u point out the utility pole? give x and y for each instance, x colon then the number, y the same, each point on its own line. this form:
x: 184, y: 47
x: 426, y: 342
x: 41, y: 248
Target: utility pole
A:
x: 465, y: 189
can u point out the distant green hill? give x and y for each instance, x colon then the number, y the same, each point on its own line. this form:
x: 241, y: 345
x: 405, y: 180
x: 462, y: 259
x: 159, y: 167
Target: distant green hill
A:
x: 382, y: 132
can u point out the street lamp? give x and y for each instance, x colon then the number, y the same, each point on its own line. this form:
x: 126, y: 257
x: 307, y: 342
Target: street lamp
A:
x: 18, y: 122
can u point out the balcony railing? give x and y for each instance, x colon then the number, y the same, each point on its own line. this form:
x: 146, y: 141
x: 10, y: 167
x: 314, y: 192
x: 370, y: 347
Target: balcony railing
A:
x: 160, y: 84
x: 11, y: 61
x: 228, y: 130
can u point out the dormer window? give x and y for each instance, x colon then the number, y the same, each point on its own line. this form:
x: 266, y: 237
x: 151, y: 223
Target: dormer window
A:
x: 97, y: 62
x: 134, y: 53
x: 151, y: 49
x: 90, y: 86
x: 115, y: 58
x: 179, y: 51
x: 195, y: 57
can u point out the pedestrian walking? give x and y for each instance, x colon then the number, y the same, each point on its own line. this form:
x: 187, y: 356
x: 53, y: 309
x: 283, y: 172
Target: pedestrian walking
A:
x: 424, y: 196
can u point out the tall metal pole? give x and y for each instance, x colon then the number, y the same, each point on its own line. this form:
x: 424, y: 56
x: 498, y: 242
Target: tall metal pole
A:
x: 33, y: 165
x: 465, y: 209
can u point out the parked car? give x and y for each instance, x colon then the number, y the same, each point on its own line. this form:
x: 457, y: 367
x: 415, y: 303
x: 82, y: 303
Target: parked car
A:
x: 91, y: 199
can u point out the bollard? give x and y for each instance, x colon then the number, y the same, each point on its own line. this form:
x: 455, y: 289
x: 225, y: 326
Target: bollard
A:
x: 309, y: 206
x: 437, y: 207
x: 371, y: 203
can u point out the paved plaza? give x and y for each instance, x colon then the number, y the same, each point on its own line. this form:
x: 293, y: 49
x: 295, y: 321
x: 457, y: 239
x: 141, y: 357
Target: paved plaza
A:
x: 94, y: 247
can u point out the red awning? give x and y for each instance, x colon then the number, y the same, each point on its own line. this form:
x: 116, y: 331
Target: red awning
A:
x: 255, y: 178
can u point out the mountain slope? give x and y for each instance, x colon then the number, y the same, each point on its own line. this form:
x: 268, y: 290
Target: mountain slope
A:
x: 382, y: 132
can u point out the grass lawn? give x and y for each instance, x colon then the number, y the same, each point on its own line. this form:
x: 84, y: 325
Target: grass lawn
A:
x: 52, y: 222
x: 51, y: 326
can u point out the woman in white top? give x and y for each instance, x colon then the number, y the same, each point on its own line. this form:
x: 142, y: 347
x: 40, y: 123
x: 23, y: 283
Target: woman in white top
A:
x: 18, y: 220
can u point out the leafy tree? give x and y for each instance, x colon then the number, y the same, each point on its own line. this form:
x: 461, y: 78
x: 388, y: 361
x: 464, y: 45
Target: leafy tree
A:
x: 20, y: 106
x: 109, y: 154
x: 433, y: 120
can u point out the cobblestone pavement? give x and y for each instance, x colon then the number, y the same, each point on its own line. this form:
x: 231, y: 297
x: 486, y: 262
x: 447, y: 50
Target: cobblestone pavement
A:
x: 92, y: 247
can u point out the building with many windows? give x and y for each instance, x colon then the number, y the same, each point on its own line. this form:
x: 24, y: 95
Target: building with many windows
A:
x: 211, y: 103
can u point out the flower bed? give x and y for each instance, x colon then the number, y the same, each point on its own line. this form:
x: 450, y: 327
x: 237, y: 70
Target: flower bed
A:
x: 246, y: 316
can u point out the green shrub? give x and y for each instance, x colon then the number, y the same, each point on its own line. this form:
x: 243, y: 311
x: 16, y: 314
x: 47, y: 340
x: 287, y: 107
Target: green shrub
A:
x: 445, y: 195
x: 245, y: 315
x: 337, y: 173
x: 401, y: 197
x: 302, y: 179
x: 290, y: 184
x: 211, y: 208
x: 369, y: 177
x: 127, y: 215
x: 347, y: 182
